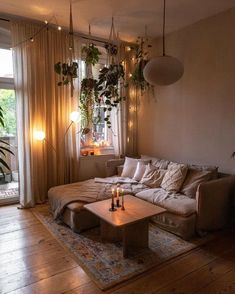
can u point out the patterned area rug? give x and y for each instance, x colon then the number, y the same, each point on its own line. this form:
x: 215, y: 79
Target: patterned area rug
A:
x: 104, y: 262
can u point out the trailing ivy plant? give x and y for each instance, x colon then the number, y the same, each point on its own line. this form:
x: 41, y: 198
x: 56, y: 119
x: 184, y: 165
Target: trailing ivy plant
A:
x: 92, y: 54
x: 67, y: 71
x: 4, y: 147
x: 89, y: 95
x: 108, y: 84
x: 141, y: 60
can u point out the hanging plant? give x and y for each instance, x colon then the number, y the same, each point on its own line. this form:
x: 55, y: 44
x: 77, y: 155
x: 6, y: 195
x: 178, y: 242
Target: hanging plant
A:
x: 92, y: 54
x: 109, y: 82
x: 111, y: 49
x: 141, y: 61
x: 67, y: 71
x: 89, y: 95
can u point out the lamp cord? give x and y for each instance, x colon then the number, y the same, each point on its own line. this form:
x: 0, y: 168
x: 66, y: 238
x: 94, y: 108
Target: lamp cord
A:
x: 163, y: 27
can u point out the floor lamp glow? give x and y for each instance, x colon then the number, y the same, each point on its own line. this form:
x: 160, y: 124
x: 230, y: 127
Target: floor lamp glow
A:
x: 163, y: 70
x: 40, y: 136
x: 74, y: 118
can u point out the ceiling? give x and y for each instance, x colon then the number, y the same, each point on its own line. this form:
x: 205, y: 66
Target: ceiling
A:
x: 130, y: 16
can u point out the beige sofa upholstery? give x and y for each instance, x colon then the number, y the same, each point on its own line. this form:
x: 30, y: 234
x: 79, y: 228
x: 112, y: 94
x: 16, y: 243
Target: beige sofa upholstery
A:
x: 209, y: 211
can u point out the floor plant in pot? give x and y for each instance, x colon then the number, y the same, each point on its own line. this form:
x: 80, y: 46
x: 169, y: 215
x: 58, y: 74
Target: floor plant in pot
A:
x: 4, y: 147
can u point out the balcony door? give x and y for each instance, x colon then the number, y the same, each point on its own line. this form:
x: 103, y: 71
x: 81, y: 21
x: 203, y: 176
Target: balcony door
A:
x: 9, y: 179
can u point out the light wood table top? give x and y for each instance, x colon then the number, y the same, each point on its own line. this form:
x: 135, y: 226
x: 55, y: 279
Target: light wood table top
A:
x: 135, y: 210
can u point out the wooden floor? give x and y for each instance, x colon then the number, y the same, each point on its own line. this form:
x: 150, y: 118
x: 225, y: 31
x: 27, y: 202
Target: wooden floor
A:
x: 32, y: 261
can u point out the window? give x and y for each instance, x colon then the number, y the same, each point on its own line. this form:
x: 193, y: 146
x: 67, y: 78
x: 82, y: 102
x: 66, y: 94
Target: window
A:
x: 100, y: 135
x: 8, y: 179
x: 6, y: 69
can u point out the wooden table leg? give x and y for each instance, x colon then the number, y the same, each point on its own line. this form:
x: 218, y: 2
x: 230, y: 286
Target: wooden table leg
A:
x: 135, y: 236
x: 110, y: 233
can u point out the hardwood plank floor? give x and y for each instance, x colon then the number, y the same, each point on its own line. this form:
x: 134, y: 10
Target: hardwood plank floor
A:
x: 32, y: 261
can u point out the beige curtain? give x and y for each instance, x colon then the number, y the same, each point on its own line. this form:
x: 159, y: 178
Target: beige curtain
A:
x: 42, y: 105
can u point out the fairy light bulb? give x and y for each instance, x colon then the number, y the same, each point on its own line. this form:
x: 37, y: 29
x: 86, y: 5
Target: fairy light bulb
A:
x: 32, y: 39
x: 59, y: 28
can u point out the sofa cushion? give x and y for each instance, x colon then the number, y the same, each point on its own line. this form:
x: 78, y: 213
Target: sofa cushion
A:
x: 193, y: 179
x: 129, y: 167
x: 174, y: 203
x: 140, y: 170
x: 213, y: 169
x: 174, y: 177
x: 158, y: 163
x: 153, y: 176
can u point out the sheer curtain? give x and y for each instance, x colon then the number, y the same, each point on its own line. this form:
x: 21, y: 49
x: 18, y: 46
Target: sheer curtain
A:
x: 42, y: 105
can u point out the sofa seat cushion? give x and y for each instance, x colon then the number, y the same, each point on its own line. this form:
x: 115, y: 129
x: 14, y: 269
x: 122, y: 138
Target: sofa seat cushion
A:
x: 174, y: 203
x: 76, y: 206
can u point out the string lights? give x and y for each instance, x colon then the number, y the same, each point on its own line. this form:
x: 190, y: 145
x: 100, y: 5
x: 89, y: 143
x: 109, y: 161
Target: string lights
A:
x: 45, y: 26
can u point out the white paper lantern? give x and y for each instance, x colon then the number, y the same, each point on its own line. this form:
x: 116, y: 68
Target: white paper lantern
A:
x: 163, y: 70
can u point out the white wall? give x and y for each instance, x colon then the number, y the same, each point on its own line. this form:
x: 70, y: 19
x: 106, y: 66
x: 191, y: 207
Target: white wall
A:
x: 193, y: 120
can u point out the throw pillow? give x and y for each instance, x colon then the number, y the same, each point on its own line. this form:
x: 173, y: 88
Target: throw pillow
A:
x: 174, y: 177
x: 129, y: 167
x: 211, y: 168
x: 140, y: 169
x: 159, y: 163
x: 152, y: 176
x: 193, y: 179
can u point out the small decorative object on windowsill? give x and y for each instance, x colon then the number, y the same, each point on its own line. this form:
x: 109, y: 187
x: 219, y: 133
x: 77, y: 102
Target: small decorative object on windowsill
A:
x: 122, y: 194
x: 112, y: 203
x: 84, y: 153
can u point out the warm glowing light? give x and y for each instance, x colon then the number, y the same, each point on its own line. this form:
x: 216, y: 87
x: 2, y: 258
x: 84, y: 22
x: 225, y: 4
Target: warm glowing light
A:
x: 46, y: 22
x: 130, y: 124
x: 59, y: 28
x: 39, y: 135
x: 32, y: 39
x: 130, y: 75
x: 128, y: 48
x: 74, y: 116
x: 133, y: 58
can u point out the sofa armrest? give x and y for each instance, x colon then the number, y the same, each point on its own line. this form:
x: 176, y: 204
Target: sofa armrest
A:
x: 214, y: 203
x: 111, y: 166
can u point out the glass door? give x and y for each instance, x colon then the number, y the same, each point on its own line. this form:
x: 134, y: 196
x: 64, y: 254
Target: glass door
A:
x: 9, y: 178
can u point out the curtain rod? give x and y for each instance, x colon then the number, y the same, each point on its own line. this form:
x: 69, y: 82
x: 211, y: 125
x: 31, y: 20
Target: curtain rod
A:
x: 84, y: 36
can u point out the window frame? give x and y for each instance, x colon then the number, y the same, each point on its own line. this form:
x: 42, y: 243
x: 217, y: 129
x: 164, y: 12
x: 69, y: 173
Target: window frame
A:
x: 103, y: 150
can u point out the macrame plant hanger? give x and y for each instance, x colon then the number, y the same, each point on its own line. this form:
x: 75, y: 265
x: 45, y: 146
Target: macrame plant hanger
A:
x: 112, y: 44
x: 71, y: 45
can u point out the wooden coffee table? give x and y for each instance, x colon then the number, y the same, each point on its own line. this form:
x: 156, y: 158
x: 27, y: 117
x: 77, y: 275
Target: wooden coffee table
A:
x: 129, y: 225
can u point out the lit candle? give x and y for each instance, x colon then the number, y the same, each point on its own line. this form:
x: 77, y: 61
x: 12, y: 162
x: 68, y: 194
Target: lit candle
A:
x: 112, y: 196
x: 117, y: 201
x: 117, y: 193
x: 122, y: 193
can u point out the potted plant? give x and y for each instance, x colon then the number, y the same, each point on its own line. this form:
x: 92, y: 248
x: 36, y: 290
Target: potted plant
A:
x: 92, y: 54
x: 68, y: 72
x: 109, y: 81
x: 4, y: 147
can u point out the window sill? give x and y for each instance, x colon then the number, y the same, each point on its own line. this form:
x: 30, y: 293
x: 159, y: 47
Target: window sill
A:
x: 97, y: 151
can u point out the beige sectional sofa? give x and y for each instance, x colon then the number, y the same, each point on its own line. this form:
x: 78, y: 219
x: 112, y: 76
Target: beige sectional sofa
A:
x: 200, y: 200
x: 208, y: 210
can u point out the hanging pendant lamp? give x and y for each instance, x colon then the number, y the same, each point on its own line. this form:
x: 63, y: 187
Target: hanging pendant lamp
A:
x: 163, y: 70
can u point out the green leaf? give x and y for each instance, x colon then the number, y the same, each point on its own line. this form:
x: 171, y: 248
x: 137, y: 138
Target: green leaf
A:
x: 3, y: 162
x: 6, y: 149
